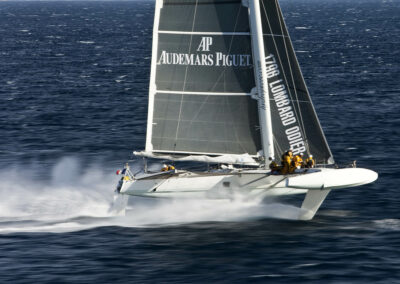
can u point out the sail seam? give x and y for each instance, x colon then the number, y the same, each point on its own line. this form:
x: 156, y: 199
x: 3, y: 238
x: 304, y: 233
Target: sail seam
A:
x: 229, y: 50
x: 204, y: 140
x: 204, y: 33
x: 186, y: 70
x: 216, y: 33
x: 198, y: 153
x: 202, y: 93
x: 197, y: 121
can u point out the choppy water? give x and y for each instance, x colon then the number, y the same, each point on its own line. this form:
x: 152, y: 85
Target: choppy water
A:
x: 73, y: 87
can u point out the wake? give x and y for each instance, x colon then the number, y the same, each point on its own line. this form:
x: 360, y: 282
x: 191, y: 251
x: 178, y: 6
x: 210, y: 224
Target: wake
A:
x: 73, y: 199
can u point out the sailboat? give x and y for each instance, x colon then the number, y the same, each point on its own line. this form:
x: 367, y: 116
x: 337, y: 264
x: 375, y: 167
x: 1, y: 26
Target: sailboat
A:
x: 226, y: 90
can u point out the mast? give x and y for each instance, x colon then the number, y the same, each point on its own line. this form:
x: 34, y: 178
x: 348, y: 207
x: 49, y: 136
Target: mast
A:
x: 152, y: 86
x: 264, y: 109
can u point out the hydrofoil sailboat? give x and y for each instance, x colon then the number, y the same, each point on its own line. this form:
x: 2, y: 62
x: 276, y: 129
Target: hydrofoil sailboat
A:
x: 226, y: 89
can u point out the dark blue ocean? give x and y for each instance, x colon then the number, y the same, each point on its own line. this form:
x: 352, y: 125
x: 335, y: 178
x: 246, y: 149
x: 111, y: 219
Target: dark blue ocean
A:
x: 73, y: 105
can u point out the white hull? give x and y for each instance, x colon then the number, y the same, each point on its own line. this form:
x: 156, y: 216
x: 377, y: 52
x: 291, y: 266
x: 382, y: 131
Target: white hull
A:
x: 315, y: 183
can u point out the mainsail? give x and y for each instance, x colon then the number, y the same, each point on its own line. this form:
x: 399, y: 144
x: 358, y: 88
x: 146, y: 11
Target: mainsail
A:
x: 201, y: 80
x: 202, y: 95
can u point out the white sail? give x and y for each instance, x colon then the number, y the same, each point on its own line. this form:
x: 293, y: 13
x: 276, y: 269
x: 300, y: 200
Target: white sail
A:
x: 244, y: 159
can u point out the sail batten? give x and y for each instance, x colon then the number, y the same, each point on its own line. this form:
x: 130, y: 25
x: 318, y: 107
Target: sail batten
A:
x: 204, y: 33
x: 273, y: 35
x: 203, y: 93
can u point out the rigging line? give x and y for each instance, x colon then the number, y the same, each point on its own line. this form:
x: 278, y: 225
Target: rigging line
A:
x: 184, y: 80
x: 229, y: 51
x: 291, y: 74
x: 230, y: 47
x: 279, y: 58
x: 278, y: 146
x: 222, y: 74
x: 297, y: 101
x: 204, y: 140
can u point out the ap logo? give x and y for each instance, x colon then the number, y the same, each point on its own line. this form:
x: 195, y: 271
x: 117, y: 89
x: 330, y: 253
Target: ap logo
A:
x: 205, y: 43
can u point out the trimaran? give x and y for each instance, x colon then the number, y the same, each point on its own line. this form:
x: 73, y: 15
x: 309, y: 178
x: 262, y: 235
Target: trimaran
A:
x: 226, y: 89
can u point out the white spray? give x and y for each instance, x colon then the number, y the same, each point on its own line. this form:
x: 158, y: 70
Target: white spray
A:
x: 75, y: 199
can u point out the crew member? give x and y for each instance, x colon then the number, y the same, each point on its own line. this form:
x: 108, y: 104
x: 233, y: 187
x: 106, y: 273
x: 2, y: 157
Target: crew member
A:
x: 166, y: 168
x: 274, y: 167
x: 286, y: 161
x: 297, y: 162
x: 310, y: 163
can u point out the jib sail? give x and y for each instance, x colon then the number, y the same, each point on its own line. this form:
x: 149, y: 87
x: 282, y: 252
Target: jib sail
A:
x: 295, y: 123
